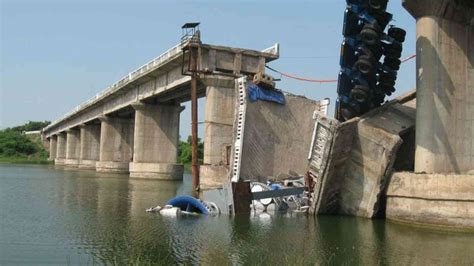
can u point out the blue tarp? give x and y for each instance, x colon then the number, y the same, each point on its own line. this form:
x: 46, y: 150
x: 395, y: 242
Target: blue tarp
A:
x: 258, y: 93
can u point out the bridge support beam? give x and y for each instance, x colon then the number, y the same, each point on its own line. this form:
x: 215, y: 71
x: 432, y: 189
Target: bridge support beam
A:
x: 53, y: 140
x: 445, y: 85
x: 218, y: 128
x: 156, y: 139
x: 116, y: 145
x: 73, y: 147
x: 90, y: 146
x: 60, y: 149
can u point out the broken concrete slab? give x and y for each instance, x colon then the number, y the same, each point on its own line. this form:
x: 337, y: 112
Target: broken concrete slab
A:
x: 270, y: 139
x: 361, y: 154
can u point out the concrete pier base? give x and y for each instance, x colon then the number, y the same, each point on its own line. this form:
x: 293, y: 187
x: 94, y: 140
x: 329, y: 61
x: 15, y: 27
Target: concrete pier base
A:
x: 218, y: 130
x: 164, y: 171
x: 116, y: 145
x: 87, y: 164
x: 445, y: 85
x: 431, y: 199
x: 53, y: 147
x: 90, y: 146
x: 112, y: 167
x: 60, y: 149
x: 156, y: 138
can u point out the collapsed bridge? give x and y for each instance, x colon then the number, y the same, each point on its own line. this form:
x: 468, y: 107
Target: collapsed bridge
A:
x: 133, y: 126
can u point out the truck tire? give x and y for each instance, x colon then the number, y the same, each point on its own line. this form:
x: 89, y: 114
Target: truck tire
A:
x: 378, y: 98
x: 398, y: 34
x: 393, y: 53
x: 387, y: 90
x: 386, y: 82
x: 396, y: 46
x: 392, y: 63
x: 370, y: 34
x: 360, y: 93
x: 389, y: 75
x: 378, y: 5
x: 348, y: 113
x: 364, y: 64
x: 382, y: 18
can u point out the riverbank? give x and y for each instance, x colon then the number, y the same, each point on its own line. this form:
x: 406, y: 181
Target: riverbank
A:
x: 20, y: 145
x: 24, y: 160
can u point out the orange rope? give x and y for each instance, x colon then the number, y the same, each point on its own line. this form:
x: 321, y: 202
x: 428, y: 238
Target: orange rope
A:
x: 323, y: 80
x: 408, y: 58
x: 302, y: 79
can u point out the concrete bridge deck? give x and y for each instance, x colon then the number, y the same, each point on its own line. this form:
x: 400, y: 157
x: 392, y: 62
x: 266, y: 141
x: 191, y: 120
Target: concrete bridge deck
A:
x: 160, y: 80
x: 133, y: 125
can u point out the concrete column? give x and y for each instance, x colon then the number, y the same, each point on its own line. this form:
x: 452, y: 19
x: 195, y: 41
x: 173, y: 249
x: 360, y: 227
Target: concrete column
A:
x: 156, y: 139
x: 60, y: 149
x: 116, y: 145
x: 53, y: 140
x: 445, y: 85
x: 90, y: 146
x: 218, y: 129
x: 73, y: 147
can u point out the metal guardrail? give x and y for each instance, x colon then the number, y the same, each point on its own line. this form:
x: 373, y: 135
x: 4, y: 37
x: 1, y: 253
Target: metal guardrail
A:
x: 153, y: 64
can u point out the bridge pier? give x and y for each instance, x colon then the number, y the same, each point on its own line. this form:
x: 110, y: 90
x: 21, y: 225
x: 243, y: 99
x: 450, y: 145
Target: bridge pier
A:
x: 116, y: 144
x: 218, y: 130
x: 90, y: 146
x: 156, y: 139
x: 53, y: 147
x: 445, y: 85
x: 60, y: 149
x: 73, y: 147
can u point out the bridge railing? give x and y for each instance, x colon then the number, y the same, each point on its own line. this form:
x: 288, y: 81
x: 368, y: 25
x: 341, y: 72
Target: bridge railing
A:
x: 125, y: 80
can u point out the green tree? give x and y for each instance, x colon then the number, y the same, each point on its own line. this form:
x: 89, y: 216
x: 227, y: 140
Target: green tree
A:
x: 184, y: 151
x: 13, y: 143
x: 31, y: 126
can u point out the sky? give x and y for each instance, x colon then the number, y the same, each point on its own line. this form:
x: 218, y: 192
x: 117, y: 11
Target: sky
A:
x: 57, y: 54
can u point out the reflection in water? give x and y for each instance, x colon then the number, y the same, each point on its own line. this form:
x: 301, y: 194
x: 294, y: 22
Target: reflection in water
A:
x: 70, y: 216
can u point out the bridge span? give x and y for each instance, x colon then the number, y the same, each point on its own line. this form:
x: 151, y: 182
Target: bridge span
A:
x: 133, y: 125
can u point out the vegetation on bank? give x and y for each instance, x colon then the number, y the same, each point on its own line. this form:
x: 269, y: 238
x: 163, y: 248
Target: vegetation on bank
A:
x: 17, y: 147
x: 184, y: 152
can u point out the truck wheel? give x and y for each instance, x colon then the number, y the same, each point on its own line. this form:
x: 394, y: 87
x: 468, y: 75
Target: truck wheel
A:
x: 386, y: 82
x: 370, y: 34
x: 388, y: 90
x: 360, y: 93
x: 376, y: 50
x: 378, y: 4
x: 392, y: 63
x: 364, y: 64
x: 348, y: 113
x: 389, y: 75
x: 398, y: 34
x: 393, y: 53
x: 382, y: 18
x: 378, y: 98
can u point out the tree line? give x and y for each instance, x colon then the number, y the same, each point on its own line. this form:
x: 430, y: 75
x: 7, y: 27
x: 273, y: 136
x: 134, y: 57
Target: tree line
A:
x: 13, y: 143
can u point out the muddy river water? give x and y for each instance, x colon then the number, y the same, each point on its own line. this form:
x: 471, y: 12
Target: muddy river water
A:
x: 56, y: 216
